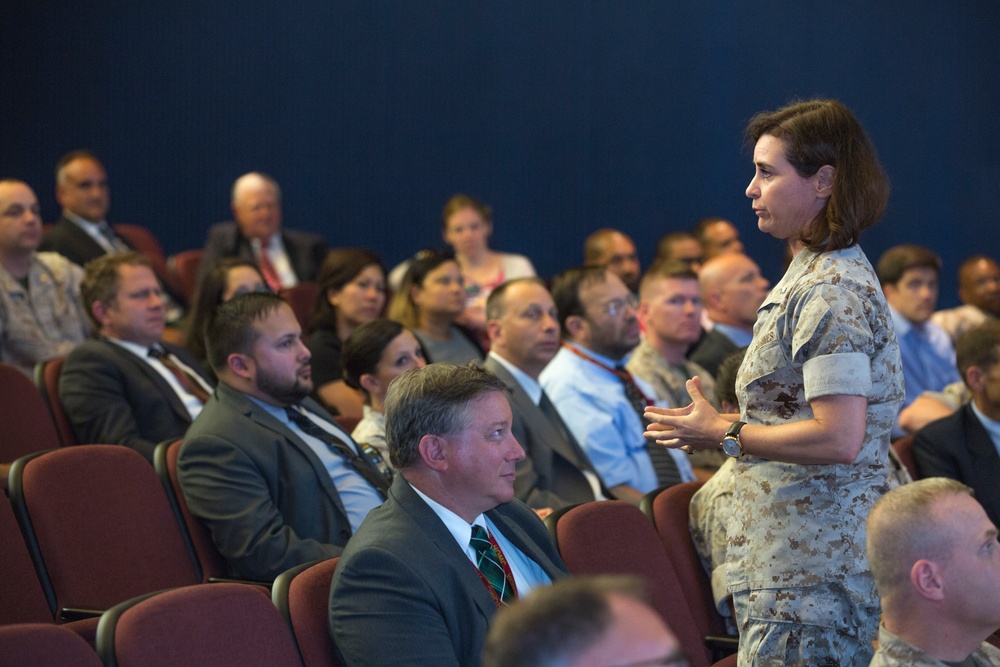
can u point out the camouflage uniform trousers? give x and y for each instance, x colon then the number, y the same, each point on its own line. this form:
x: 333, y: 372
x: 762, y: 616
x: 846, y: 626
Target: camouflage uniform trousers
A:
x: 828, y: 625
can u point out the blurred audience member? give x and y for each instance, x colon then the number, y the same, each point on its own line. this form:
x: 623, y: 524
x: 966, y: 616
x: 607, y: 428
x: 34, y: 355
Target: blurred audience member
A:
x: 718, y: 236
x: 979, y: 292
x: 228, y: 278
x: 613, y: 249
x: 680, y: 246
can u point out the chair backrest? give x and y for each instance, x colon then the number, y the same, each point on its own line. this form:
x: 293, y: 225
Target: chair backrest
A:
x: 25, y: 423
x: 184, y: 268
x: 214, y: 625
x: 211, y: 563
x: 904, y: 450
x: 47, y: 380
x: 302, y: 299
x: 21, y: 592
x: 98, y: 525
x: 669, y: 510
x: 302, y: 595
x: 144, y: 242
x: 615, y: 537
x: 44, y: 644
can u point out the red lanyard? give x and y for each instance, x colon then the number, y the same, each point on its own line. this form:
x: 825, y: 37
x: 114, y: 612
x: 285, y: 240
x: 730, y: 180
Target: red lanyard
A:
x: 620, y: 373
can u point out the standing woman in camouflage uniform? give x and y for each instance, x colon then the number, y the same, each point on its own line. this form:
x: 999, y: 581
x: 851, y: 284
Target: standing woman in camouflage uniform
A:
x: 819, y: 389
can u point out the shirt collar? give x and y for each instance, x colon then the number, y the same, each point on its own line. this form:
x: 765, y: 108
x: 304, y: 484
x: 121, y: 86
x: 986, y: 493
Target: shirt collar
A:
x: 456, y: 525
x: 82, y: 222
x: 528, y: 383
x: 607, y: 361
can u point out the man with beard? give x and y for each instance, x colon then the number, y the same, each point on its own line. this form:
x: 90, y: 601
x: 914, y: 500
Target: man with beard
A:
x: 601, y: 402
x: 274, y: 479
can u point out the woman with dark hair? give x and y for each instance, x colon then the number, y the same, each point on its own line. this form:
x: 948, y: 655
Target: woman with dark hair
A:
x: 225, y: 279
x: 374, y: 355
x: 351, y: 292
x: 430, y: 300
x: 819, y: 390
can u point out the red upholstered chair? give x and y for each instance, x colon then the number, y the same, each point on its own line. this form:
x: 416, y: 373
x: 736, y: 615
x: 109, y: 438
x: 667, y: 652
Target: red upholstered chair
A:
x: 904, y: 450
x: 218, y: 625
x: 669, y: 510
x: 44, y: 644
x: 212, y: 564
x: 302, y: 595
x: 25, y: 423
x: 615, y: 537
x: 302, y: 299
x: 144, y: 242
x: 47, y: 380
x: 184, y: 268
x: 98, y: 526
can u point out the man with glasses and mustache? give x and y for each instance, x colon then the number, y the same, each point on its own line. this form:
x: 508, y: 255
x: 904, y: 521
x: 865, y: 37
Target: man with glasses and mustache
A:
x: 264, y: 467
x: 598, y: 399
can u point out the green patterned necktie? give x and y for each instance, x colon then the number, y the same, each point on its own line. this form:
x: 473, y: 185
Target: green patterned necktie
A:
x: 488, y: 562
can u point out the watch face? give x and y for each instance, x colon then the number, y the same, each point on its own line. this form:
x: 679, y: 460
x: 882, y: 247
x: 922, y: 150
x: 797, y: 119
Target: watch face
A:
x: 731, y: 446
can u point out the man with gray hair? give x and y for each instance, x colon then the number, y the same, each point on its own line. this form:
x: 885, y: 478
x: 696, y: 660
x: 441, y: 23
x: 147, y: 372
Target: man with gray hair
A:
x: 285, y: 257
x: 936, y: 562
x: 420, y: 580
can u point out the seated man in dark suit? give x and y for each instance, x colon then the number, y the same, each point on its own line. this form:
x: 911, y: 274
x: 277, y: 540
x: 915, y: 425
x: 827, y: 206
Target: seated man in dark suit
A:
x: 964, y: 445
x: 274, y: 479
x: 523, y: 326
x: 128, y: 387
x: 420, y: 581
x: 286, y: 257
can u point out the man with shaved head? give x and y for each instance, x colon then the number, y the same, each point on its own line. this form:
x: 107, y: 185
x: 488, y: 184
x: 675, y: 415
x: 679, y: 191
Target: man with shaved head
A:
x: 615, y: 250
x: 936, y: 562
x: 979, y: 291
x: 285, y: 257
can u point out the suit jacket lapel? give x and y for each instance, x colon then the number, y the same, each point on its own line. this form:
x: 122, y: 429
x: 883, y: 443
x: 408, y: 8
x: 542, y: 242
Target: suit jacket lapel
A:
x: 83, y: 239
x: 514, y: 532
x: 985, y: 460
x: 151, y: 373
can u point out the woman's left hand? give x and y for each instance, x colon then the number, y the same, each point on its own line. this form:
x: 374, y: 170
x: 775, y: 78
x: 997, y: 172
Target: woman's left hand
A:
x: 694, y: 427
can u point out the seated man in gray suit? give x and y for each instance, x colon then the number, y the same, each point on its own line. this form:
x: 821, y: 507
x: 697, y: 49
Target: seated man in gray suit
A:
x: 420, y: 581
x: 523, y: 326
x: 274, y: 479
x: 128, y: 387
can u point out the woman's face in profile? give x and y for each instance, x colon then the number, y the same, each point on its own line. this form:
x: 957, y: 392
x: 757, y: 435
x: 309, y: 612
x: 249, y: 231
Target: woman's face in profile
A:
x: 241, y: 280
x: 467, y: 231
x: 784, y: 201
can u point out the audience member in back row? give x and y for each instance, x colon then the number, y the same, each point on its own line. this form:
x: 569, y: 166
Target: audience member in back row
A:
x: 909, y: 277
x: 523, y: 325
x: 979, y: 292
x: 286, y: 257
x: 420, y: 581
x: 936, y: 562
x: 276, y: 482
x: 614, y: 250
x: 374, y: 355
x: 351, y: 292
x: 964, y: 445
x: 429, y: 302
x: 600, y: 401
x: 229, y: 277
x: 128, y: 387
x: 40, y: 312
x: 682, y: 247
x: 718, y: 236
x: 583, y: 622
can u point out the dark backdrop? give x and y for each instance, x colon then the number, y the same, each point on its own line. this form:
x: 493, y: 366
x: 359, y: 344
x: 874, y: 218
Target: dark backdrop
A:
x: 565, y: 115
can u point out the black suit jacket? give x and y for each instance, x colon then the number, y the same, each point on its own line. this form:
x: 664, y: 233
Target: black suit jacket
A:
x: 549, y: 475
x: 405, y: 593
x: 712, y: 350
x: 113, y: 397
x: 266, y: 498
x: 958, y: 447
x: 69, y: 240
x: 305, y: 251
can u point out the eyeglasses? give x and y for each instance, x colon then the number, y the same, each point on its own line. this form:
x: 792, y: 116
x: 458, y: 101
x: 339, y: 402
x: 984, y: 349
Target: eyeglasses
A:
x: 617, y: 307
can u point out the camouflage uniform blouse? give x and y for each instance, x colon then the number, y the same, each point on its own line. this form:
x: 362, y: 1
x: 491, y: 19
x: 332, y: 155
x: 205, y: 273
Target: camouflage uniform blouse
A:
x: 825, y: 329
x: 894, y: 652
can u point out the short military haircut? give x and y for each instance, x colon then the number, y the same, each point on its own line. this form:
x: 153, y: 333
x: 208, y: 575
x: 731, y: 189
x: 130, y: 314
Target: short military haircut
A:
x: 496, y: 304
x: 593, y: 246
x: 903, y: 528
x: 701, y: 228
x: 897, y: 260
x: 231, y: 329
x: 566, y: 289
x: 979, y: 346
x: 661, y: 270
x: 665, y: 246
x: 552, y: 625
x: 73, y: 156
x: 102, y: 278
x: 432, y: 400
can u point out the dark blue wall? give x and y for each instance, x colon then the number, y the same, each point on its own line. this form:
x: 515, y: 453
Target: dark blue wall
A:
x: 566, y: 116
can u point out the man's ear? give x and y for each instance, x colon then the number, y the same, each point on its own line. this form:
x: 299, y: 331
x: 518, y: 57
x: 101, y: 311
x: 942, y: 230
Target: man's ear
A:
x: 925, y: 576
x: 493, y: 328
x: 576, y: 325
x: 824, y: 181
x: 433, y: 452
x: 99, y: 309
x: 974, y: 378
x: 242, y: 365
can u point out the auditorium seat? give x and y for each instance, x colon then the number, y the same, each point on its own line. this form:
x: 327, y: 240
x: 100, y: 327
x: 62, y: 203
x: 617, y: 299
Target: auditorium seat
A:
x: 44, y: 645
x: 302, y: 595
x: 904, y: 450
x: 184, y: 268
x: 47, y: 380
x: 25, y: 423
x: 99, y: 527
x: 615, y: 537
x: 302, y: 299
x: 217, y: 625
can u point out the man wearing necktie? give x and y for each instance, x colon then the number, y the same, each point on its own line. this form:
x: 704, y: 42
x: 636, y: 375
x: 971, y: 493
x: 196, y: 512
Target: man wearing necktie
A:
x: 128, y: 387
x: 275, y: 480
x: 523, y: 327
x: 600, y: 401
x: 420, y: 581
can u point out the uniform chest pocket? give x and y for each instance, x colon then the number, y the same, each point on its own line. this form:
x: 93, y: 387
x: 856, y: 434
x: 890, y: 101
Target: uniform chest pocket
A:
x: 763, y: 362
